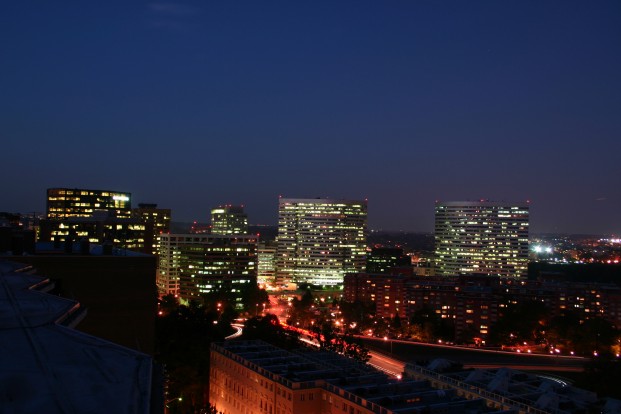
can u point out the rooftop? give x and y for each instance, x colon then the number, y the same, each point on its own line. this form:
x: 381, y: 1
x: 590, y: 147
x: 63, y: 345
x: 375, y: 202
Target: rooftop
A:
x: 357, y: 382
x: 47, y: 367
x: 518, y: 389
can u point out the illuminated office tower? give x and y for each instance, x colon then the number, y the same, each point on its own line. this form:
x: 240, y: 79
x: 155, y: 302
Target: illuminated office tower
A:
x: 96, y: 216
x: 266, y: 264
x: 319, y: 241
x: 74, y: 202
x: 227, y: 220
x: 192, y: 265
x: 481, y: 237
x: 156, y: 221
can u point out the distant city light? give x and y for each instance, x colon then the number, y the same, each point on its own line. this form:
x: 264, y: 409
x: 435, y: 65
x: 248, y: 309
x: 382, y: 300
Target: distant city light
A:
x: 542, y: 249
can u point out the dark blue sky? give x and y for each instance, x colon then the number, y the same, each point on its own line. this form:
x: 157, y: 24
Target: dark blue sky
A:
x: 196, y: 104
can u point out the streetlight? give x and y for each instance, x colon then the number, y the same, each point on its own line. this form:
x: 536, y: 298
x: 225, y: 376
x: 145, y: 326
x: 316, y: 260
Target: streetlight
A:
x: 386, y: 339
x: 166, y: 407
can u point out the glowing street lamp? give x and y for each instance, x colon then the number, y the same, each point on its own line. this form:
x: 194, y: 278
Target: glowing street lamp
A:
x: 166, y: 407
x: 386, y: 339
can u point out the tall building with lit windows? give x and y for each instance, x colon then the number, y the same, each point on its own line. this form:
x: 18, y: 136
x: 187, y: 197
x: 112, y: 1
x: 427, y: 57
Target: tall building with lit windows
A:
x: 266, y: 264
x: 319, y: 240
x: 483, y: 237
x: 74, y: 202
x: 227, y: 220
x: 192, y: 265
x: 96, y: 216
x: 156, y: 221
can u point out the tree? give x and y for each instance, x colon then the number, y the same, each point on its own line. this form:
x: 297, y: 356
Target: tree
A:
x: 522, y: 322
x: 358, y: 312
x: 347, y: 345
x: 561, y: 331
x: 253, y: 299
x: 213, y: 410
x: 354, y: 349
x: 396, y: 322
x: 168, y: 303
x: 602, y: 376
x: 269, y: 329
x: 183, y: 339
x: 427, y: 326
x: 595, y: 337
x: 301, y: 312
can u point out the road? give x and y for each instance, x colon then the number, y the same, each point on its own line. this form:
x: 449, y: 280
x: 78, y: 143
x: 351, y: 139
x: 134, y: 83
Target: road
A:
x: 386, y: 364
x: 395, y: 353
x: 239, y: 327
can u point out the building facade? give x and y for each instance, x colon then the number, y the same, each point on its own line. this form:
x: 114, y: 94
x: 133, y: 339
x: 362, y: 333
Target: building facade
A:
x: 96, y: 216
x: 320, y: 240
x: 383, y: 259
x: 481, y: 237
x: 469, y: 302
x: 74, y: 202
x: 100, y: 228
x: 229, y: 220
x: 156, y: 221
x: 266, y: 264
x: 192, y: 265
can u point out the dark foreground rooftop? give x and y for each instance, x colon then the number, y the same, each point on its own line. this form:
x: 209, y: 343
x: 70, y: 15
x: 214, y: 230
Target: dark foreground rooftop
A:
x: 50, y: 368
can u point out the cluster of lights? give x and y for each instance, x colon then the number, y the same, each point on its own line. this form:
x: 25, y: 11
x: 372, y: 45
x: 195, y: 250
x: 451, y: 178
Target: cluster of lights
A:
x: 542, y: 249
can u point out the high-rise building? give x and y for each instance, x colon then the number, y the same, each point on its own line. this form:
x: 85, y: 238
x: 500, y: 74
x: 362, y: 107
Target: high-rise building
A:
x: 228, y: 220
x: 99, y: 216
x: 481, y: 237
x: 74, y: 202
x: 266, y: 264
x: 192, y: 265
x: 320, y: 240
x: 156, y: 221
x: 101, y: 228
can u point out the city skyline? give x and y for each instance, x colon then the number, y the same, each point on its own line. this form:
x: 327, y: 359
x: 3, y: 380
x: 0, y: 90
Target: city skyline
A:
x: 206, y: 218
x: 192, y: 105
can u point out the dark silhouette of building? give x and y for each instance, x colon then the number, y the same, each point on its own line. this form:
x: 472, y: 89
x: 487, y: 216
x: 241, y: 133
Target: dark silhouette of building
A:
x: 384, y: 259
x: 117, y: 288
x: 156, y: 221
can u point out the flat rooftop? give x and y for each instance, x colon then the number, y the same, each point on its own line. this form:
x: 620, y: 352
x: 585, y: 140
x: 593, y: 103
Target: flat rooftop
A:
x: 348, y: 378
x: 49, y: 368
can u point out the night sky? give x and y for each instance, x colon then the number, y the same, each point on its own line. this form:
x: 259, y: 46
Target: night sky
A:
x: 195, y: 104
